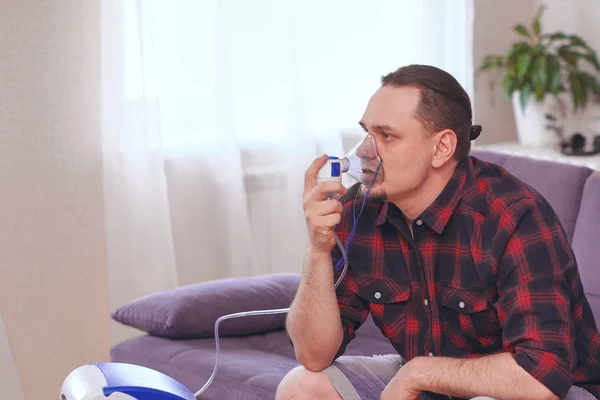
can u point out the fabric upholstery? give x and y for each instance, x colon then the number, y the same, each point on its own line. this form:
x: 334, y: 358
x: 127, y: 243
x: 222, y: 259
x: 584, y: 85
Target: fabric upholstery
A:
x: 250, y: 368
x: 190, y: 312
x: 586, y: 240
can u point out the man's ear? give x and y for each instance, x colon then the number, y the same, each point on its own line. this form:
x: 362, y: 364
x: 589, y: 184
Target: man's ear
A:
x: 444, y: 147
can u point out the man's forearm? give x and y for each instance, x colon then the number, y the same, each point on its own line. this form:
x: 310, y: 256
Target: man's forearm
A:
x: 314, y: 323
x: 498, y: 376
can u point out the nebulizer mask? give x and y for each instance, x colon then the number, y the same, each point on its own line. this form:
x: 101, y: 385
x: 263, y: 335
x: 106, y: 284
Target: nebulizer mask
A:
x: 361, y: 163
x: 128, y: 381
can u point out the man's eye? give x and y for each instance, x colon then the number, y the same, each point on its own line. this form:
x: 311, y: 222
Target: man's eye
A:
x: 385, y: 135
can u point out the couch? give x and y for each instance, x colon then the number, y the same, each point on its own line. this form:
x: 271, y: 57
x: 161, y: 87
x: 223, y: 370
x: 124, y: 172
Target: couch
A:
x: 177, y: 325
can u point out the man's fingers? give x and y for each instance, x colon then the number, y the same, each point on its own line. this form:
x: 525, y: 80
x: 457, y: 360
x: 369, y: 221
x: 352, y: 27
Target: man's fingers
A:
x: 310, y: 177
x: 328, y: 207
x: 331, y: 220
x: 324, y: 188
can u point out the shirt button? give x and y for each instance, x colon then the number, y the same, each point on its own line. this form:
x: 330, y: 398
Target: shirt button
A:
x: 377, y: 295
x: 461, y: 304
x: 426, y: 302
x: 419, y: 222
x: 430, y: 354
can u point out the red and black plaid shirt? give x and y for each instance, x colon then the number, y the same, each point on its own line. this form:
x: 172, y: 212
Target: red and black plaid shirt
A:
x: 489, y: 270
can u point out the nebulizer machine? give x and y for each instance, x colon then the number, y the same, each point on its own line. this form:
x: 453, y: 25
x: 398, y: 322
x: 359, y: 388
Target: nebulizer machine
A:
x: 123, y: 381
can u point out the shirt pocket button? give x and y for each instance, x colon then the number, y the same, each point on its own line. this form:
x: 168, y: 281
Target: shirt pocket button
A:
x: 467, y: 317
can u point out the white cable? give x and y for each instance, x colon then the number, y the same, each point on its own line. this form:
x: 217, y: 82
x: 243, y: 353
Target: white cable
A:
x: 262, y: 312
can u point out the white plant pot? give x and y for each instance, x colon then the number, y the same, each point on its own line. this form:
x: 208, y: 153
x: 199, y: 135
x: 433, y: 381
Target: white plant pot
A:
x: 531, y: 124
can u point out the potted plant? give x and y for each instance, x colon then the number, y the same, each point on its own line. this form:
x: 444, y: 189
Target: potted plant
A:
x: 545, y: 74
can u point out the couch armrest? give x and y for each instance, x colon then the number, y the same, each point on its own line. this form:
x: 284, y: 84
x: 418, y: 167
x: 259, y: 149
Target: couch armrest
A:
x: 191, y: 311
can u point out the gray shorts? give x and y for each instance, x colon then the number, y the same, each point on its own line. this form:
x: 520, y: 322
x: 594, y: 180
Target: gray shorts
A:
x: 364, y: 378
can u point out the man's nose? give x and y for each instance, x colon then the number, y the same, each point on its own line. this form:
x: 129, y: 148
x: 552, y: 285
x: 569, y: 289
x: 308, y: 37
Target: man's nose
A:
x: 367, y: 148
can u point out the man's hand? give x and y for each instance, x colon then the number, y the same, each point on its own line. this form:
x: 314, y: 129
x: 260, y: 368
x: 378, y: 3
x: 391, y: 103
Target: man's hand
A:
x: 495, y: 375
x: 403, y: 386
x: 321, y: 215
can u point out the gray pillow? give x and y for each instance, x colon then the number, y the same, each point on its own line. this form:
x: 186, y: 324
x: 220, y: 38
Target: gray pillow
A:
x: 191, y: 311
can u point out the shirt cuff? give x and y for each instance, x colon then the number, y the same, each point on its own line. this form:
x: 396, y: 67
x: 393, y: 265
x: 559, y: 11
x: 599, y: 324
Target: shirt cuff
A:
x: 547, y: 368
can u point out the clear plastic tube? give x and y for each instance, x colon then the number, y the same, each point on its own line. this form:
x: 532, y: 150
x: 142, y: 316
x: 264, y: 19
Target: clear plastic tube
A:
x: 262, y: 312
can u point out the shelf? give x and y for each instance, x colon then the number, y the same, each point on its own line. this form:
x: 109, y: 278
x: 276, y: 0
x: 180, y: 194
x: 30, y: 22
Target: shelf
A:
x: 544, y: 153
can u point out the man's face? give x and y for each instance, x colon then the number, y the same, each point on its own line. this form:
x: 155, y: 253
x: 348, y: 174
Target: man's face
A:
x: 405, y: 148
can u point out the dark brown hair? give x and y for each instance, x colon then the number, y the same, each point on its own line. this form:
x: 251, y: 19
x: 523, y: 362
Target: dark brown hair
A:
x: 444, y: 104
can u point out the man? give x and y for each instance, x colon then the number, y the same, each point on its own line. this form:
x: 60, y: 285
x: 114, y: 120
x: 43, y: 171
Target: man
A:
x: 465, y: 269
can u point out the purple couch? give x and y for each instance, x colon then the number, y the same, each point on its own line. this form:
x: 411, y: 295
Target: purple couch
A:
x: 255, y: 351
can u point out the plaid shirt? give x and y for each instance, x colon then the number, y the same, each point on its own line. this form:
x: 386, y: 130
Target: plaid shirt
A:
x: 489, y: 270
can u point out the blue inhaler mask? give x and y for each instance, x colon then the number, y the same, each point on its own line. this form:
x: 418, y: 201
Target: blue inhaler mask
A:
x: 361, y: 163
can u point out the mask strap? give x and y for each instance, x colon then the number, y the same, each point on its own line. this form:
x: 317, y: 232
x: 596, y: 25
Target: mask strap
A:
x: 374, y: 143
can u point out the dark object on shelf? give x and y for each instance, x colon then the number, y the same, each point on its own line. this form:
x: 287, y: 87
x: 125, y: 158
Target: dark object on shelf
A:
x: 597, y: 142
x: 575, y: 146
x: 577, y: 142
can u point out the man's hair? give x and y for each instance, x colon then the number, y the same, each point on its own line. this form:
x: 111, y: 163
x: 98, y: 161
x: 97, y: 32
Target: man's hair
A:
x: 444, y: 104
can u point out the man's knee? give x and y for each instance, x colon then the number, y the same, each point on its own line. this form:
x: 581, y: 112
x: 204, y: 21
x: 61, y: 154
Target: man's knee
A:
x: 301, y: 383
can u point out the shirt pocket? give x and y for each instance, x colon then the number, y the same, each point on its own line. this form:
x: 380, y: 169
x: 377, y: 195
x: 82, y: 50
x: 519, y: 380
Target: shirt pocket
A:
x: 388, y: 304
x: 468, y: 319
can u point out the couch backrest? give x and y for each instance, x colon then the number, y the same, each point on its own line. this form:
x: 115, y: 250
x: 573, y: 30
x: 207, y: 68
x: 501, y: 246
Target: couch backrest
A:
x: 586, y: 242
x: 574, y: 193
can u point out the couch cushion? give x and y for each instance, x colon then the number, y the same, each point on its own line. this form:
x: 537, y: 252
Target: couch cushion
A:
x: 586, y: 239
x: 190, y: 312
x: 560, y: 183
x: 250, y: 368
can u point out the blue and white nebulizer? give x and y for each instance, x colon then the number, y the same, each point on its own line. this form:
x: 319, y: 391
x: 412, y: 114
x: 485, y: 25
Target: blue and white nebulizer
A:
x: 361, y: 163
x: 122, y: 381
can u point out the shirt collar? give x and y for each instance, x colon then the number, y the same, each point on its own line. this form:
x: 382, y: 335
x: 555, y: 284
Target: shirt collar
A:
x: 437, y: 215
x: 382, y: 217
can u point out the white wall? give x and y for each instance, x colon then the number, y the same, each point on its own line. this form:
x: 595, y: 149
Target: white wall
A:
x: 53, y: 278
x: 573, y: 17
x: 577, y: 17
x: 493, y: 34
x: 10, y: 382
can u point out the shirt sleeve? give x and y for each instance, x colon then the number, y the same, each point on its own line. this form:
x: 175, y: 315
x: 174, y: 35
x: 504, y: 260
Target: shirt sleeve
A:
x: 353, y: 309
x: 534, y: 275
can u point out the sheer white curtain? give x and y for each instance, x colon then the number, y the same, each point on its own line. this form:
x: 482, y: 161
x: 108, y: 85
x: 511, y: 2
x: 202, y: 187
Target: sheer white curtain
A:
x: 213, y: 109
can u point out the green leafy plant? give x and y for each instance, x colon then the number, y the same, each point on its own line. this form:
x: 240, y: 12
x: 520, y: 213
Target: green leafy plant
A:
x: 542, y: 64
